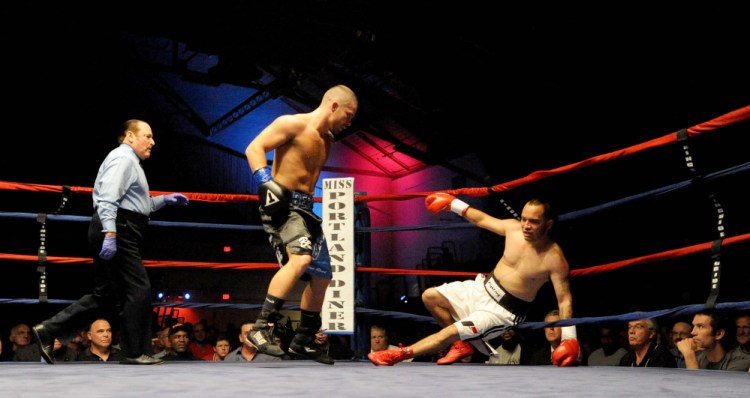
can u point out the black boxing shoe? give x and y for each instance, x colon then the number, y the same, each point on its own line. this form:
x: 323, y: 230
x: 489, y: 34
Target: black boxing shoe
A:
x: 141, y: 360
x: 262, y: 339
x: 46, y: 343
x: 309, y: 351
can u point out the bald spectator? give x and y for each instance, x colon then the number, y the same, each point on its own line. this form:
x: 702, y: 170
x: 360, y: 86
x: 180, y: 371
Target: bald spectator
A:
x: 20, y: 336
x: 26, y: 350
x: 100, y: 348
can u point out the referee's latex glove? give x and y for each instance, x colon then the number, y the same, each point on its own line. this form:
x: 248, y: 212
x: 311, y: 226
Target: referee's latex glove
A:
x: 109, y: 247
x: 176, y: 199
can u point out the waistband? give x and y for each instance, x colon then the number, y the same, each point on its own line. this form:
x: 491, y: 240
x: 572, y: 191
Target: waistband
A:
x: 303, y: 200
x: 131, y: 215
x: 506, y: 300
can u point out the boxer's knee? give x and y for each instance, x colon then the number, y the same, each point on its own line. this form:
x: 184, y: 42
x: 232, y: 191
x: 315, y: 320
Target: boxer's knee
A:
x: 299, y: 263
x: 430, y: 297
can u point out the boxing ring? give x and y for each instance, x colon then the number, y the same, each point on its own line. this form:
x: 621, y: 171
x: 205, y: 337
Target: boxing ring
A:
x: 717, y: 265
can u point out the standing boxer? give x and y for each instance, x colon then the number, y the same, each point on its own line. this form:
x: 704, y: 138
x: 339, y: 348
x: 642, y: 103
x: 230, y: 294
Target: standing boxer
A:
x: 302, y: 143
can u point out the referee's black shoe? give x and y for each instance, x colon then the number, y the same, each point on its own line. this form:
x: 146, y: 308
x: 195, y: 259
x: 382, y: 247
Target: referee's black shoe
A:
x: 46, y: 343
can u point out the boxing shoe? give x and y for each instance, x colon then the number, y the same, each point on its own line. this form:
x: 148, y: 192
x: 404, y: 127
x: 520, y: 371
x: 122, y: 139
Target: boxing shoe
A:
x: 306, y: 351
x: 261, y: 338
x: 46, y: 343
x: 390, y: 357
x: 459, y: 350
x: 141, y: 360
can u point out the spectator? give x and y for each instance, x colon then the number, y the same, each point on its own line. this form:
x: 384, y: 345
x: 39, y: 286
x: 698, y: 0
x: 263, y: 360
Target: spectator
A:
x: 553, y: 335
x: 179, y: 339
x: 379, y: 340
x: 221, y: 348
x: 705, y: 348
x: 609, y: 352
x: 509, y: 350
x: 742, y: 321
x: 680, y: 330
x: 645, y: 351
x: 100, y: 349
x: 335, y: 346
x: 742, y: 348
x: 247, y: 351
x: 81, y: 342
x: 201, y: 344
x: 33, y: 353
x: 161, y: 342
x: 20, y: 335
x: 283, y: 332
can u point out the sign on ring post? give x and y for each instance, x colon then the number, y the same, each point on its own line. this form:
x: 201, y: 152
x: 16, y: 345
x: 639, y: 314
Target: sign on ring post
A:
x: 338, y: 225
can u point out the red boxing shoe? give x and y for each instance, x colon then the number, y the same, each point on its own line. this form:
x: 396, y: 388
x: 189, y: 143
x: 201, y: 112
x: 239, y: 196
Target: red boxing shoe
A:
x: 390, y: 357
x: 459, y: 350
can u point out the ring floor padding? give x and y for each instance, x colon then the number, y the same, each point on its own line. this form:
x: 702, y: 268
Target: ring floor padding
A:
x: 301, y: 378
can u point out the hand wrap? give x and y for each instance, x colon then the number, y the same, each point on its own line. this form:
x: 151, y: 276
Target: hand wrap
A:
x: 262, y: 175
x: 568, y: 353
x: 439, y: 201
x: 271, y: 196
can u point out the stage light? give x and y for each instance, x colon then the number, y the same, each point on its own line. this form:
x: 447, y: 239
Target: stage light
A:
x: 187, y: 296
x: 225, y: 296
x: 160, y: 295
x: 227, y: 249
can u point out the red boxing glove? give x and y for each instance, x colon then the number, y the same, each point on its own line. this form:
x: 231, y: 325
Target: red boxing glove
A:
x: 436, y: 202
x: 567, y: 353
